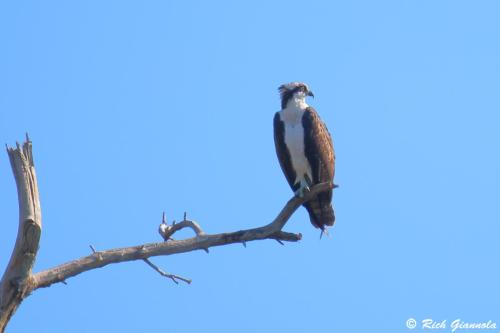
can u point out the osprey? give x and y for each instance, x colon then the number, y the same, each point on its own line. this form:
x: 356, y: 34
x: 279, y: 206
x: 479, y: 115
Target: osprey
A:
x: 305, y: 150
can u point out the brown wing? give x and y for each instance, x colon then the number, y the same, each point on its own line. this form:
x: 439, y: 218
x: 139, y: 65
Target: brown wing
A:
x: 282, y: 150
x: 318, y: 147
x: 319, y: 151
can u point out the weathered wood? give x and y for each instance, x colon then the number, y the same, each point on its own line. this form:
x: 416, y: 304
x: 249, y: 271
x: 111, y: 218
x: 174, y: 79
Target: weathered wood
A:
x: 16, y: 281
x: 200, y: 242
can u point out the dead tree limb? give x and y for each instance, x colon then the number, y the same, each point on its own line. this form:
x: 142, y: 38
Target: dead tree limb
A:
x: 173, y: 277
x: 18, y: 281
x: 199, y: 242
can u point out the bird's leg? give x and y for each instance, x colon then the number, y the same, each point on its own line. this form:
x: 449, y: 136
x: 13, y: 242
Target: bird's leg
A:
x: 301, y: 192
x: 303, y: 189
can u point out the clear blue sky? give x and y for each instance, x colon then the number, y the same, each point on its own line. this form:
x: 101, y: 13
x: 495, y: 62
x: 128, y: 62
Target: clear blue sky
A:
x: 139, y: 107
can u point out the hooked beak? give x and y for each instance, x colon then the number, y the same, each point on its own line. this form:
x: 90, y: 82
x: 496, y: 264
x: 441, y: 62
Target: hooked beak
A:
x: 310, y: 93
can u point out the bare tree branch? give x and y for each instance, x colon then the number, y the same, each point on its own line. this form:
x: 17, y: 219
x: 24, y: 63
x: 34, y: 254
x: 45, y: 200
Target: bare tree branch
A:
x: 16, y: 281
x: 165, y: 274
x: 166, y: 231
x: 199, y: 242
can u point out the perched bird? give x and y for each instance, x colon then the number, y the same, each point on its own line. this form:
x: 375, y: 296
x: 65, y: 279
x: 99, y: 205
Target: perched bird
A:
x: 305, y: 150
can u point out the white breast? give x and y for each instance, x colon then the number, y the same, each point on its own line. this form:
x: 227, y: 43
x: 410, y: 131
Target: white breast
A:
x: 294, y: 140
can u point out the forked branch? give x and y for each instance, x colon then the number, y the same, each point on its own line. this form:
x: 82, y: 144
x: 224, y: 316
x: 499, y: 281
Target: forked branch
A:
x: 18, y: 281
x: 201, y: 241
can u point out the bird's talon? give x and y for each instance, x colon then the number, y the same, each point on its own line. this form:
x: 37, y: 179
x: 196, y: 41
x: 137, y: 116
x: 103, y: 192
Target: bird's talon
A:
x: 301, y: 192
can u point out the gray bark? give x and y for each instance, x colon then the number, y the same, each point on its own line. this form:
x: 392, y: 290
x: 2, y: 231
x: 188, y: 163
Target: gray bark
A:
x: 18, y: 280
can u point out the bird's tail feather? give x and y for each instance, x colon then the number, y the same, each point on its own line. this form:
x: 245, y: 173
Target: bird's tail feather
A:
x: 321, y: 213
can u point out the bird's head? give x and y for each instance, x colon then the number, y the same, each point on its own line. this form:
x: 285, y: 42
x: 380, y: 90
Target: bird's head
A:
x: 293, y: 91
